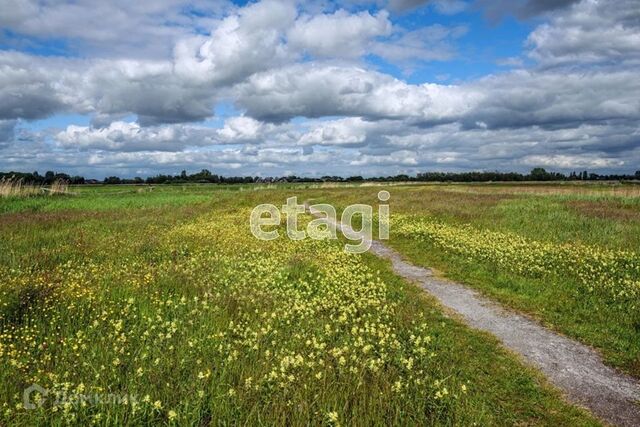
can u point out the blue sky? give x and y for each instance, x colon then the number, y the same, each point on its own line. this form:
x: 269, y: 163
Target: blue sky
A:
x: 315, y: 88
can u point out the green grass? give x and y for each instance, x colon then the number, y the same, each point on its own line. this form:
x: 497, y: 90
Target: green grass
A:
x: 166, y: 294
x: 504, y: 392
x: 599, y: 216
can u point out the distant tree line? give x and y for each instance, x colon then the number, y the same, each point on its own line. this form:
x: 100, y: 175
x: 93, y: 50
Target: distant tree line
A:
x: 205, y: 176
x: 47, y: 179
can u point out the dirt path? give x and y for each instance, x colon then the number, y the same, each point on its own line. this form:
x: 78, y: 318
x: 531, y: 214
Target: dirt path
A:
x: 573, y: 367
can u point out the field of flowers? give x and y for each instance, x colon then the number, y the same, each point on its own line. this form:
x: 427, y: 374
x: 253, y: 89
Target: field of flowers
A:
x: 565, y: 254
x: 613, y: 274
x: 228, y: 338
x: 189, y: 320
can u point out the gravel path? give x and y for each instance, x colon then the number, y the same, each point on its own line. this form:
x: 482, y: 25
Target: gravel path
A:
x: 573, y: 367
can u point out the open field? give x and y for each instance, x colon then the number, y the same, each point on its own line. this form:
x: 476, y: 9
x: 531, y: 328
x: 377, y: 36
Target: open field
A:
x: 163, y: 299
x: 569, y: 258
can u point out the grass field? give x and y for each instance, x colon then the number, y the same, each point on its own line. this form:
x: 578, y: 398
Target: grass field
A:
x: 569, y: 255
x: 162, y: 300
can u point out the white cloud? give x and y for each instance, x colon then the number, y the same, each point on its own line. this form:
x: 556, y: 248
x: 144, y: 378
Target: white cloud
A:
x: 338, y: 35
x: 240, y: 45
x: 347, y: 131
x: 590, y: 32
x: 27, y: 87
x: 125, y: 136
x: 556, y: 98
x: 237, y: 130
x: 568, y: 162
x: 130, y: 136
x: 120, y: 28
x: 316, y: 90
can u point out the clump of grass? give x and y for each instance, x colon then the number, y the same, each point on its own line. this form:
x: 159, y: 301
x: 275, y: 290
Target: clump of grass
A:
x: 17, y: 188
x: 10, y: 187
x: 59, y: 187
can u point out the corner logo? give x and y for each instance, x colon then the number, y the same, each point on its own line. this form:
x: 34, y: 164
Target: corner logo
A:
x: 39, y: 391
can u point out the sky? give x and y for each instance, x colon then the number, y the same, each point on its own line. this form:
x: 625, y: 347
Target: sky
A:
x: 279, y: 87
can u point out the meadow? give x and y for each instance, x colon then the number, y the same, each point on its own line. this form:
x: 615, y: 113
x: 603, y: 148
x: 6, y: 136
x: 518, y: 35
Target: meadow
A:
x: 147, y: 306
x: 567, y: 255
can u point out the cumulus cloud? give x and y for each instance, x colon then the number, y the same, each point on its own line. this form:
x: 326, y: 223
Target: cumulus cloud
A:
x: 185, y: 87
x: 148, y: 89
x: 241, y: 129
x: 340, y: 34
x: 241, y: 45
x: 567, y: 161
x: 348, y: 131
x: 131, y: 136
x: 116, y: 28
x: 590, y: 32
x: 28, y: 89
x: 36, y: 87
x: 178, y: 89
x: 555, y: 98
x: 374, y: 148
x: 316, y: 90
x: 125, y: 136
x: 517, y: 99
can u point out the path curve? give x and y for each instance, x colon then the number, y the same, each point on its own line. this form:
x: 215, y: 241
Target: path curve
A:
x: 573, y: 367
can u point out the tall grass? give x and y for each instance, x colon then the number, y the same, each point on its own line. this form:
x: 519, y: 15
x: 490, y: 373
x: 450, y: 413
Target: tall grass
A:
x: 59, y: 187
x: 18, y: 188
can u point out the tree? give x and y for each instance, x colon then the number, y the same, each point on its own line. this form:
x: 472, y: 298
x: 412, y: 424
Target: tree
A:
x: 112, y: 180
x: 539, y: 174
x: 49, y: 176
